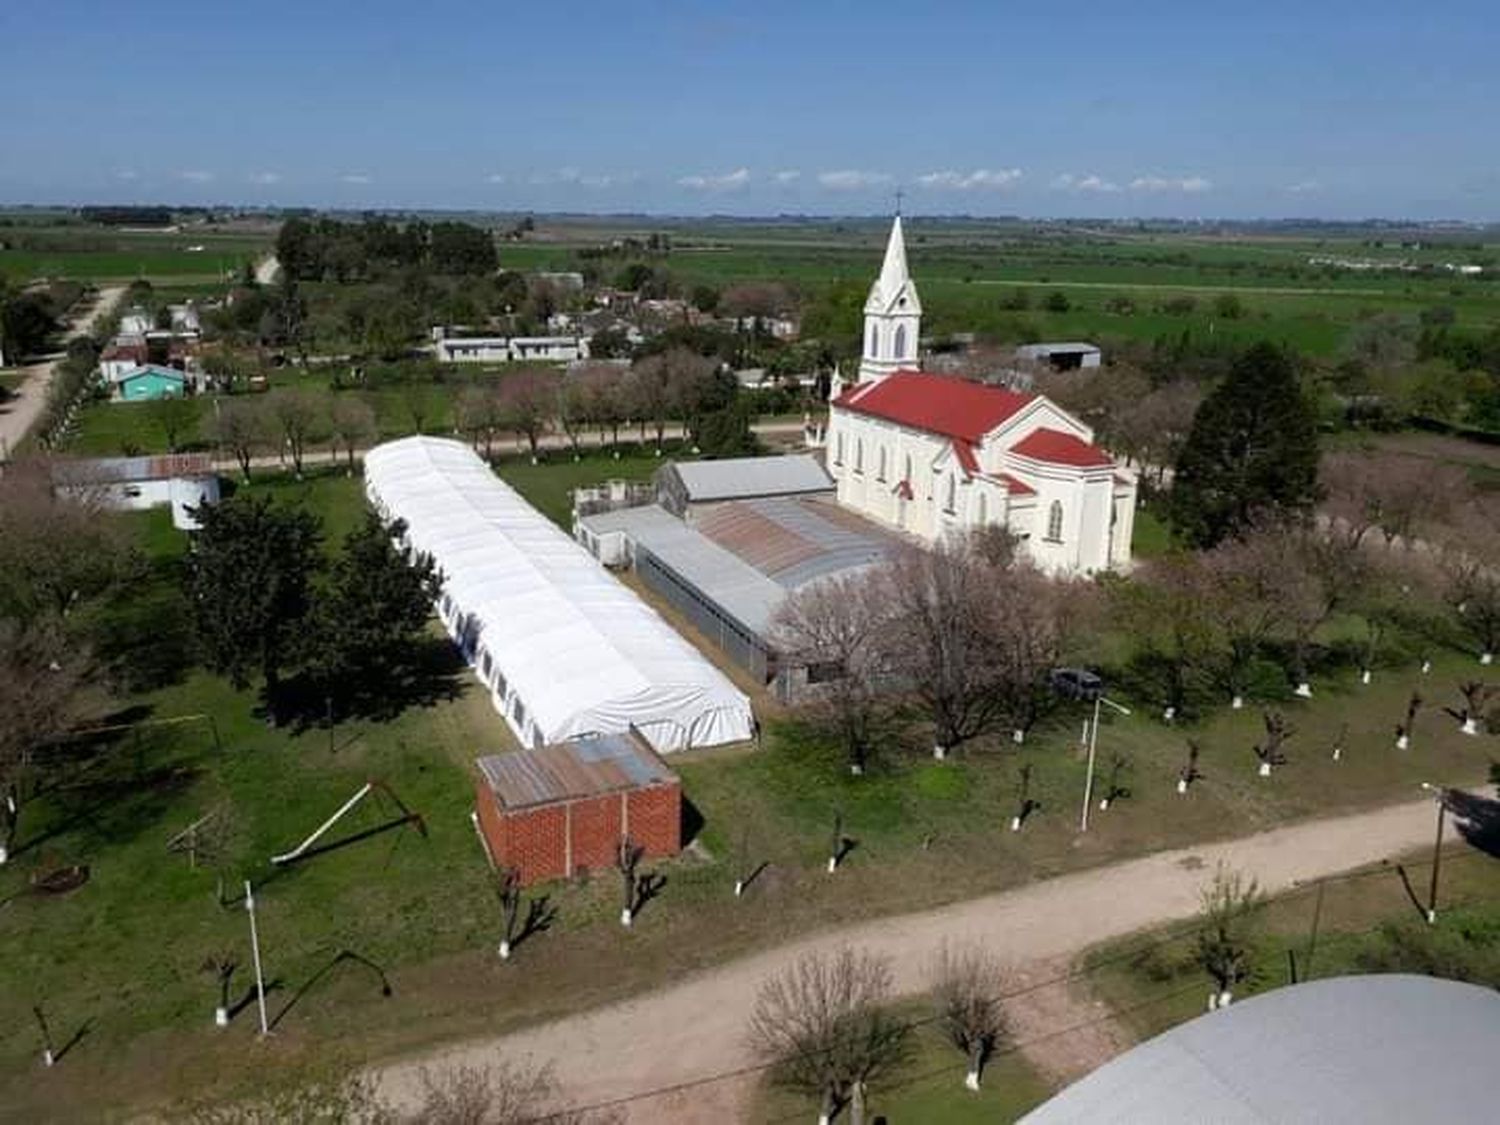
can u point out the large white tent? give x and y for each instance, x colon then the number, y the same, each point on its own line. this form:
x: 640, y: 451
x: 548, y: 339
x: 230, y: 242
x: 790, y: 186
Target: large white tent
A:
x: 565, y: 649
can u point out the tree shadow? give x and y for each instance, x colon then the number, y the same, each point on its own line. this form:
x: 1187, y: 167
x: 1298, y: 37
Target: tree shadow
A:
x: 248, y: 998
x: 1411, y: 892
x: 540, y: 914
x: 76, y: 1038
x: 1476, y: 818
x: 99, y: 807
x: 647, y: 888
x: 343, y: 957
x: 429, y: 673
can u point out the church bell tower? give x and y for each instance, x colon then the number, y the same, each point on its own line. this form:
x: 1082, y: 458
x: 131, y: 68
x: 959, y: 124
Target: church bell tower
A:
x: 893, y: 315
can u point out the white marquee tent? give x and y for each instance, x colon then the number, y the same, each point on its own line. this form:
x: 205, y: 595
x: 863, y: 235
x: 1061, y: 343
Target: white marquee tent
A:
x: 564, y: 648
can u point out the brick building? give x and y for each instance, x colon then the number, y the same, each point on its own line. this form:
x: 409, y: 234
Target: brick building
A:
x: 558, y: 811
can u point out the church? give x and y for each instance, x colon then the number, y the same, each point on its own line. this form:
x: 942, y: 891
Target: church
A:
x: 936, y: 455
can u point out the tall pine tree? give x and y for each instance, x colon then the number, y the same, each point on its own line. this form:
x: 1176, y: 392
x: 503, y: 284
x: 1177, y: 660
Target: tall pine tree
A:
x: 1252, y: 451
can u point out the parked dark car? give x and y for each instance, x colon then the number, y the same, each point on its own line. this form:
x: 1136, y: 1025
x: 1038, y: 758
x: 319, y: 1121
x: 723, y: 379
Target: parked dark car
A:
x: 1077, y: 683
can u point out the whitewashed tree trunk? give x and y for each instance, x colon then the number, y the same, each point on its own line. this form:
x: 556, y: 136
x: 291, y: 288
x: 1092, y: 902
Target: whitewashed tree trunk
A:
x: 1018, y: 736
x: 1182, y: 786
x: 1304, y: 689
x: 1338, y: 752
x: 1364, y: 676
x: 1265, y: 769
x: 1426, y: 667
x: 856, y: 769
x: 833, y: 864
x: 1103, y: 803
x: 221, y: 1017
x: 1015, y: 824
x: 1486, y: 658
x: 48, y: 1058
x: 1226, y: 998
x: 1168, y: 714
x: 627, y: 916
x: 4, y: 855
x: 505, y: 949
x: 1402, y: 742
x: 1470, y: 726
x: 739, y: 887
x: 1237, y: 703
x: 939, y: 751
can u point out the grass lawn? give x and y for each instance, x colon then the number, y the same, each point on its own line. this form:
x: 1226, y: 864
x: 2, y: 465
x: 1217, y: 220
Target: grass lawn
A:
x: 120, y: 956
x: 1362, y: 923
x: 927, y: 1088
x: 1150, y: 536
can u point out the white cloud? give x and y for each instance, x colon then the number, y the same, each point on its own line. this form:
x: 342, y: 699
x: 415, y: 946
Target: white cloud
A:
x: 964, y: 181
x: 1069, y: 182
x: 265, y: 178
x: 1304, y: 186
x: 729, y: 181
x: 581, y: 179
x: 196, y: 177
x: 790, y: 175
x: 850, y: 179
x: 1190, y: 184
x: 356, y: 178
x: 495, y: 178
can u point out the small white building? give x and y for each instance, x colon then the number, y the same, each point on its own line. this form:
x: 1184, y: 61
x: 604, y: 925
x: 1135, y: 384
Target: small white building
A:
x: 509, y: 349
x: 936, y: 455
x: 182, y: 480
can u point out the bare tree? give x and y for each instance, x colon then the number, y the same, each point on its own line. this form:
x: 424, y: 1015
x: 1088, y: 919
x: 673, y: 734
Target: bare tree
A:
x: 240, y: 426
x: 1226, y: 932
x: 834, y: 630
x: 222, y: 965
x: 1472, y: 586
x: 575, y: 403
x: 1476, y: 695
x: 353, y: 421
x: 508, y: 891
x: 500, y: 1093
x: 1246, y: 579
x: 1189, y: 772
x: 480, y: 416
x: 298, y: 418
x: 821, y: 1024
x: 966, y: 982
x: 528, y: 402
x: 944, y: 643
x: 1390, y: 493
x: 1407, y: 727
x: 1035, y: 618
x: 1270, y: 750
x: 176, y: 416
x: 1167, y: 606
x: 628, y: 855
x: 649, y: 393
x: 48, y: 683
x: 602, y: 386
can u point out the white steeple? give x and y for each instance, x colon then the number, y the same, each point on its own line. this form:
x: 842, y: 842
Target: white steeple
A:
x: 893, y: 314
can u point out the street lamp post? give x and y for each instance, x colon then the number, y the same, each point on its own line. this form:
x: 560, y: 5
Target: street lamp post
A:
x: 1088, y: 781
x: 260, y: 980
x: 1440, y: 795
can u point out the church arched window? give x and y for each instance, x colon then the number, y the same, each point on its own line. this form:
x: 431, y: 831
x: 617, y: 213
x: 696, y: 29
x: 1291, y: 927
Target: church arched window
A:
x: 838, y: 449
x: 872, y: 349
x: 982, y: 515
x: 900, y: 347
x: 906, y: 474
x: 950, y: 506
x: 859, y: 452
x: 1054, y: 521
x: 880, y: 469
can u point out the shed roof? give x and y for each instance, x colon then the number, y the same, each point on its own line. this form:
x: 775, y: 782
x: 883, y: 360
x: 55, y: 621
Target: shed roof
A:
x: 1051, y: 347
x: 140, y: 371
x: 1367, y: 1049
x: 939, y: 404
x: 119, y: 470
x: 569, y: 771
x: 738, y: 477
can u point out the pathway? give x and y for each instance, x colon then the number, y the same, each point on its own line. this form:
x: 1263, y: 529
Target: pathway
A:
x: 19, y: 414
x: 693, y: 1032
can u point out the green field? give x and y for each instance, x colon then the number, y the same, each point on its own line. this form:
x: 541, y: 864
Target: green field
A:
x: 99, y: 254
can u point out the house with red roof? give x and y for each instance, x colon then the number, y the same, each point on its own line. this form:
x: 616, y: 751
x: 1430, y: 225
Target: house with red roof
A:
x: 937, y: 455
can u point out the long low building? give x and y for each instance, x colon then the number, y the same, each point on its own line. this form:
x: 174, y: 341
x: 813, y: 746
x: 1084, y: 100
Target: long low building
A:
x: 565, y: 649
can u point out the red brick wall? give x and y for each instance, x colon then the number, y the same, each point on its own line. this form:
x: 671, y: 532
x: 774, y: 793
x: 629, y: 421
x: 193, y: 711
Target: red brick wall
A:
x: 535, y: 840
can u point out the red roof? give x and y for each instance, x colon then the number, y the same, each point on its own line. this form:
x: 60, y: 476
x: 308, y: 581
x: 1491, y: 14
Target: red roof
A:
x: 1013, y: 485
x: 940, y: 404
x: 965, y: 454
x: 1057, y: 448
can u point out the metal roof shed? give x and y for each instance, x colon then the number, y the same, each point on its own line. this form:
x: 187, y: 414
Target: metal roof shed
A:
x: 564, y: 647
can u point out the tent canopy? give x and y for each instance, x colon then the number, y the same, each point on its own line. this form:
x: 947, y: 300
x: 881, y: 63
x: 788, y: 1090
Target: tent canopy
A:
x: 564, y: 647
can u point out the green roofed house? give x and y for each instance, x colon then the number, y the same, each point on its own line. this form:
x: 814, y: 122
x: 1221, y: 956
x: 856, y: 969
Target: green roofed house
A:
x: 150, y: 382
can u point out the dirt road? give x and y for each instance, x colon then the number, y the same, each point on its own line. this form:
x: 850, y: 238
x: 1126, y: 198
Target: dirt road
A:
x: 692, y: 1033
x: 19, y: 414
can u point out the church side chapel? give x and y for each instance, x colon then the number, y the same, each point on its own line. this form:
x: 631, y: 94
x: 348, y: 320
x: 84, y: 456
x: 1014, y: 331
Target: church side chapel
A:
x: 934, y: 455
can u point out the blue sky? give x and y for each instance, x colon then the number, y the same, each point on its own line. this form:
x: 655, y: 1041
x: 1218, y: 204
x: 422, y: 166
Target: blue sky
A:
x: 1325, y: 108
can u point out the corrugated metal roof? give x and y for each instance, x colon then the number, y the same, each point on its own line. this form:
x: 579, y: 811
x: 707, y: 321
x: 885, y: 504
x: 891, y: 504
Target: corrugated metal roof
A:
x: 115, y: 470
x: 1369, y: 1049
x: 568, y: 771
x: 1041, y: 350
x: 740, y: 477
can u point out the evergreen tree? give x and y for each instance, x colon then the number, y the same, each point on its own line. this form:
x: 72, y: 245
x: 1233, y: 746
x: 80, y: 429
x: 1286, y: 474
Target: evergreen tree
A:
x: 1253, y: 450
x: 249, y: 581
x: 373, y: 609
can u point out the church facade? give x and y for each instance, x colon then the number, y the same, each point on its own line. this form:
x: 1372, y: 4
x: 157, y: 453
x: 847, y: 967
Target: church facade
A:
x: 936, y: 455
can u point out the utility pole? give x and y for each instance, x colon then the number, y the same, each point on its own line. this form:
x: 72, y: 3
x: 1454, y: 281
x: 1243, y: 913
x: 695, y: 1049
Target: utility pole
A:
x: 1440, y: 795
x: 260, y: 980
